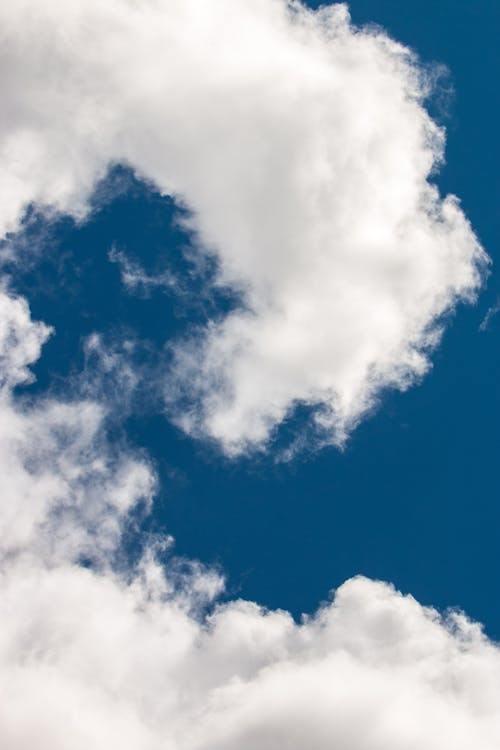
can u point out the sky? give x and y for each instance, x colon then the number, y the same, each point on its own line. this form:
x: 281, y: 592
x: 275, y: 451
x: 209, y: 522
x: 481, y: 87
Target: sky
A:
x: 249, y: 375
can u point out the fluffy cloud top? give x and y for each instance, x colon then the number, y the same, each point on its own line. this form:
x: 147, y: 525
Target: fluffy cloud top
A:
x: 88, y: 660
x: 302, y: 147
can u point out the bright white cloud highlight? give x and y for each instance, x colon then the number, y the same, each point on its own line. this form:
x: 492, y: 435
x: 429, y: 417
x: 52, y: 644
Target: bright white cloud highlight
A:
x: 303, y: 149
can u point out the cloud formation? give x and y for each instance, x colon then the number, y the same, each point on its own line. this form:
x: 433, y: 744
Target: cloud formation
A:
x: 98, y: 652
x: 88, y: 659
x: 301, y: 146
x: 303, y: 150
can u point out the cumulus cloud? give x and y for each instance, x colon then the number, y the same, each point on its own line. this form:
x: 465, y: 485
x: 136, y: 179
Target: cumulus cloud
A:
x: 88, y: 659
x: 303, y: 149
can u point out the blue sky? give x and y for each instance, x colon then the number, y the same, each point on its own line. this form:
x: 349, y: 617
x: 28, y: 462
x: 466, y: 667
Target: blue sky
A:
x: 410, y: 498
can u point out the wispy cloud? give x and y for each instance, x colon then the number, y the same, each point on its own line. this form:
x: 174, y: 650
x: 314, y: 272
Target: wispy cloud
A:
x: 490, y: 313
x: 136, y: 279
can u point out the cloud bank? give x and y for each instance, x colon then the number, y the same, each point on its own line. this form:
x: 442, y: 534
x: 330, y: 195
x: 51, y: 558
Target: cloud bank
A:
x: 303, y: 150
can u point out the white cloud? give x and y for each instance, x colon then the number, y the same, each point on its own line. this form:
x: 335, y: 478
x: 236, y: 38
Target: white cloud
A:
x: 20, y: 341
x: 303, y: 149
x: 88, y: 660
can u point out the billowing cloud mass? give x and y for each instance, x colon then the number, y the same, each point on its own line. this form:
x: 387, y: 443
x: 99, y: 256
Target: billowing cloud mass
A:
x: 302, y: 149
x: 301, y: 146
x: 142, y: 657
